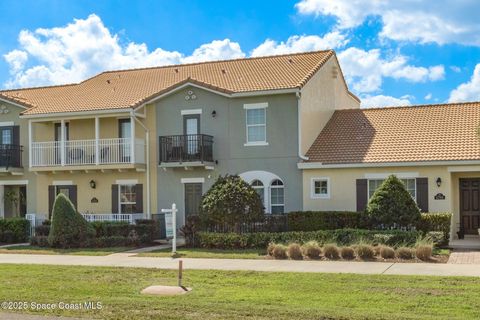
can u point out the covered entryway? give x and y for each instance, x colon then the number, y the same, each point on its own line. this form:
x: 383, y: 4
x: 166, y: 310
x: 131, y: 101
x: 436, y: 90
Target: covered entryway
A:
x: 470, y: 205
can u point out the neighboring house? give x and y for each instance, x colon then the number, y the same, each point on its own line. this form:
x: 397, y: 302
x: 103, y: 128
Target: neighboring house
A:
x: 434, y: 149
x: 136, y: 141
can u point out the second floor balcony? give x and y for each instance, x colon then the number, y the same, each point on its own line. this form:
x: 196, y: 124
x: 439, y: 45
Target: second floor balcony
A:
x: 187, y: 149
x: 11, y: 156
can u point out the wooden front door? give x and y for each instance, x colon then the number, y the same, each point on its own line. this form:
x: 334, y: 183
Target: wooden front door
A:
x: 470, y: 205
x: 193, y: 198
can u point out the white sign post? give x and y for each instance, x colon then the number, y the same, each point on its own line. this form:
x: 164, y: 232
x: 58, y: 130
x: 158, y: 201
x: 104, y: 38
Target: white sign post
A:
x: 171, y: 225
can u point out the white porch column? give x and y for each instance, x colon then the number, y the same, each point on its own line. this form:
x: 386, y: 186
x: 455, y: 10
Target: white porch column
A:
x: 97, y: 138
x: 30, y: 151
x: 132, y: 139
x: 2, y: 202
x: 62, y: 141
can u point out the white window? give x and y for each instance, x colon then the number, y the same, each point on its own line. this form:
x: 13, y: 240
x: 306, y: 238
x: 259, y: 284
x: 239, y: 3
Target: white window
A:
x: 320, y: 188
x: 260, y: 189
x: 256, y: 120
x: 127, y: 198
x: 410, y: 185
x: 277, y: 199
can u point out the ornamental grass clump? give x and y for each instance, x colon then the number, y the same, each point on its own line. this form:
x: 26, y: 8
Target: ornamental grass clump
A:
x: 347, y: 253
x: 312, y: 250
x: 424, y: 252
x: 331, y: 251
x: 387, y: 252
x: 279, y: 251
x: 405, y: 253
x: 365, y: 251
x: 294, y: 251
x: 270, y: 248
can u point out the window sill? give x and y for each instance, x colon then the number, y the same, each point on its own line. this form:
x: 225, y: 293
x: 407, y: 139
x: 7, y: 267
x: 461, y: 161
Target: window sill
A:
x: 255, y: 144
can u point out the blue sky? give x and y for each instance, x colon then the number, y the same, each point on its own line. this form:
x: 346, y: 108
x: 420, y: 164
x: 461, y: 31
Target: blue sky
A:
x: 402, y: 52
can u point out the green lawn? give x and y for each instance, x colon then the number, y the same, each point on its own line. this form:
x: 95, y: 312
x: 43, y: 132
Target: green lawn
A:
x: 208, y: 253
x: 78, y: 251
x: 243, y: 295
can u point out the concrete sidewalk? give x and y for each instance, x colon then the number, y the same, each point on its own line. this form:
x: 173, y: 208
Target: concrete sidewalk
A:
x: 126, y: 260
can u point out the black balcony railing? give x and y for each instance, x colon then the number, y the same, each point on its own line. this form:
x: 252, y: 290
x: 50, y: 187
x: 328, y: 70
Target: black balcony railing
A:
x: 186, y: 148
x: 11, y: 155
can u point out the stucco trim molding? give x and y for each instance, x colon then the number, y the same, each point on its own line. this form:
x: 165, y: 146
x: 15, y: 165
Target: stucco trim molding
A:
x: 192, y: 180
x: 13, y: 182
x: 62, y: 183
x: 319, y: 165
x: 126, y: 181
x: 190, y: 111
x: 7, y: 123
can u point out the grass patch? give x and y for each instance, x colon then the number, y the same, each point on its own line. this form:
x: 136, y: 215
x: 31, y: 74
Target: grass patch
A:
x: 208, y: 253
x: 242, y: 295
x: 75, y: 251
x: 441, y: 251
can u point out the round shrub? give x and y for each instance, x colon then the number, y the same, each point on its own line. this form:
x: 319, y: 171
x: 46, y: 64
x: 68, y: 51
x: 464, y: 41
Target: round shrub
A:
x: 330, y: 251
x: 230, y: 202
x: 312, y: 250
x: 270, y: 248
x: 294, y: 251
x: 405, y: 253
x: 424, y: 252
x: 365, y: 251
x: 68, y: 228
x: 387, y: 252
x: 279, y: 252
x: 392, y: 205
x: 347, y: 253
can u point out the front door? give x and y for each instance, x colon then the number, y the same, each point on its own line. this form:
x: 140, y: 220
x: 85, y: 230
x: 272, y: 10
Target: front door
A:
x: 193, y: 198
x: 191, y: 130
x: 470, y: 205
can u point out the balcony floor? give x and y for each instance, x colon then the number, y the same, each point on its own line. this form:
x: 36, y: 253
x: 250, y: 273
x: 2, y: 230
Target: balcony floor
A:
x: 101, y: 167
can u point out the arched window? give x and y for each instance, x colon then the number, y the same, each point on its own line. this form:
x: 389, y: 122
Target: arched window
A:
x: 277, y: 199
x: 258, y: 186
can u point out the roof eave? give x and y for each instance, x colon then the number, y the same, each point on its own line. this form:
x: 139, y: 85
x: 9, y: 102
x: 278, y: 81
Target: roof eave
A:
x: 320, y: 165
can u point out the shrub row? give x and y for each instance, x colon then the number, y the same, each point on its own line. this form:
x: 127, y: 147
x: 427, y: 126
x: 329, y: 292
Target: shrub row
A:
x: 330, y: 220
x: 14, y: 230
x: 108, y: 234
x: 339, y: 236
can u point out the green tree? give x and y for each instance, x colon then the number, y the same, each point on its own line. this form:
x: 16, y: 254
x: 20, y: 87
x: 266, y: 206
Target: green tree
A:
x: 68, y: 228
x: 231, y: 201
x: 392, y: 205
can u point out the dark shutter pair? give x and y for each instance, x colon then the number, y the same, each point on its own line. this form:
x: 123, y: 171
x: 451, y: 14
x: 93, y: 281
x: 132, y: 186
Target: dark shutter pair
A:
x: 139, y: 195
x: 422, y: 194
x: 72, y: 190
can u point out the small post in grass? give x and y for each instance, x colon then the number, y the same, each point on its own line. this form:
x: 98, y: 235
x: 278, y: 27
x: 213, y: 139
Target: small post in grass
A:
x: 180, y: 273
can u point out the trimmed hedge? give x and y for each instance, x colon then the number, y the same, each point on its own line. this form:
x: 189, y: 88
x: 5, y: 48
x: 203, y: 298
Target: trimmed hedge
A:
x: 436, y: 222
x: 343, y: 237
x: 14, y: 230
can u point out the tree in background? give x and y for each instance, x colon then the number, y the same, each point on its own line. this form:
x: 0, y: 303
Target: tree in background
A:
x: 392, y: 205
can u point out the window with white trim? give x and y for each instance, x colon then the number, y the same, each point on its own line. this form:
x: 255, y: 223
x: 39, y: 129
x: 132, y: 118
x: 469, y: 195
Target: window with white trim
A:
x: 260, y: 189
x: 410, y: 185
x: 127, y: 198
x: 256, y: 126
x: 320, y: 188
x: 277, y: 198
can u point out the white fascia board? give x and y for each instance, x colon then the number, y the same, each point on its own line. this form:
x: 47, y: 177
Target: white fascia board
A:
x: 13, y: 103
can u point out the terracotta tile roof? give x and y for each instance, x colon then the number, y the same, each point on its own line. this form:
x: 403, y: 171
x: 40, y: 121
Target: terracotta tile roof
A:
x: 400, y: 134
x: 130, y: 88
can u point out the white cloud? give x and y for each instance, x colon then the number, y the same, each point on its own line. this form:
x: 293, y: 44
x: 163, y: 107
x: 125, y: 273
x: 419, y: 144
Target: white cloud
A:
x: 86, y: 47
x: 455, y: 69
x: 428, y: 96
x: 468, y: 91
x: 442, y: 21
x: 297, y: 43
x: 384, y: 101
x: 365, y: 70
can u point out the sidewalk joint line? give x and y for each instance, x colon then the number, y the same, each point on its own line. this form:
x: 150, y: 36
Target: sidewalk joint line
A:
x: 388, y: 268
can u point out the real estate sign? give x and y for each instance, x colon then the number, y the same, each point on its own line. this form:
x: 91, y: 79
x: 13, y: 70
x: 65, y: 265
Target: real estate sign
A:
x: 169, y: 225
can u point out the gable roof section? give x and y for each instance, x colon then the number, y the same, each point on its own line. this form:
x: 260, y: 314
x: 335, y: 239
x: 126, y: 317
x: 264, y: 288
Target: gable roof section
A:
x: 446, y: 132
x: 130, y: 88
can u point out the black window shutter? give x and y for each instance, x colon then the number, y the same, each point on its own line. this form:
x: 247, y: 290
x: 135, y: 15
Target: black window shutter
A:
x: 422, y: 194
x: 16, y: 135
x: 51, y: 199
x: 73, y: 195
x: 362, y: 194
x: 115, y: 198
x: 139, y: 198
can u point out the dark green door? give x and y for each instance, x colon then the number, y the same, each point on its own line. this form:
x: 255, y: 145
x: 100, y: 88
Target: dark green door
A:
x: 193, y: 197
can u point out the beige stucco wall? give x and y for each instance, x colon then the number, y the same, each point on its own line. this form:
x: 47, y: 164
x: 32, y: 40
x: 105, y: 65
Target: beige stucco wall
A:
x: 320, y: 97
